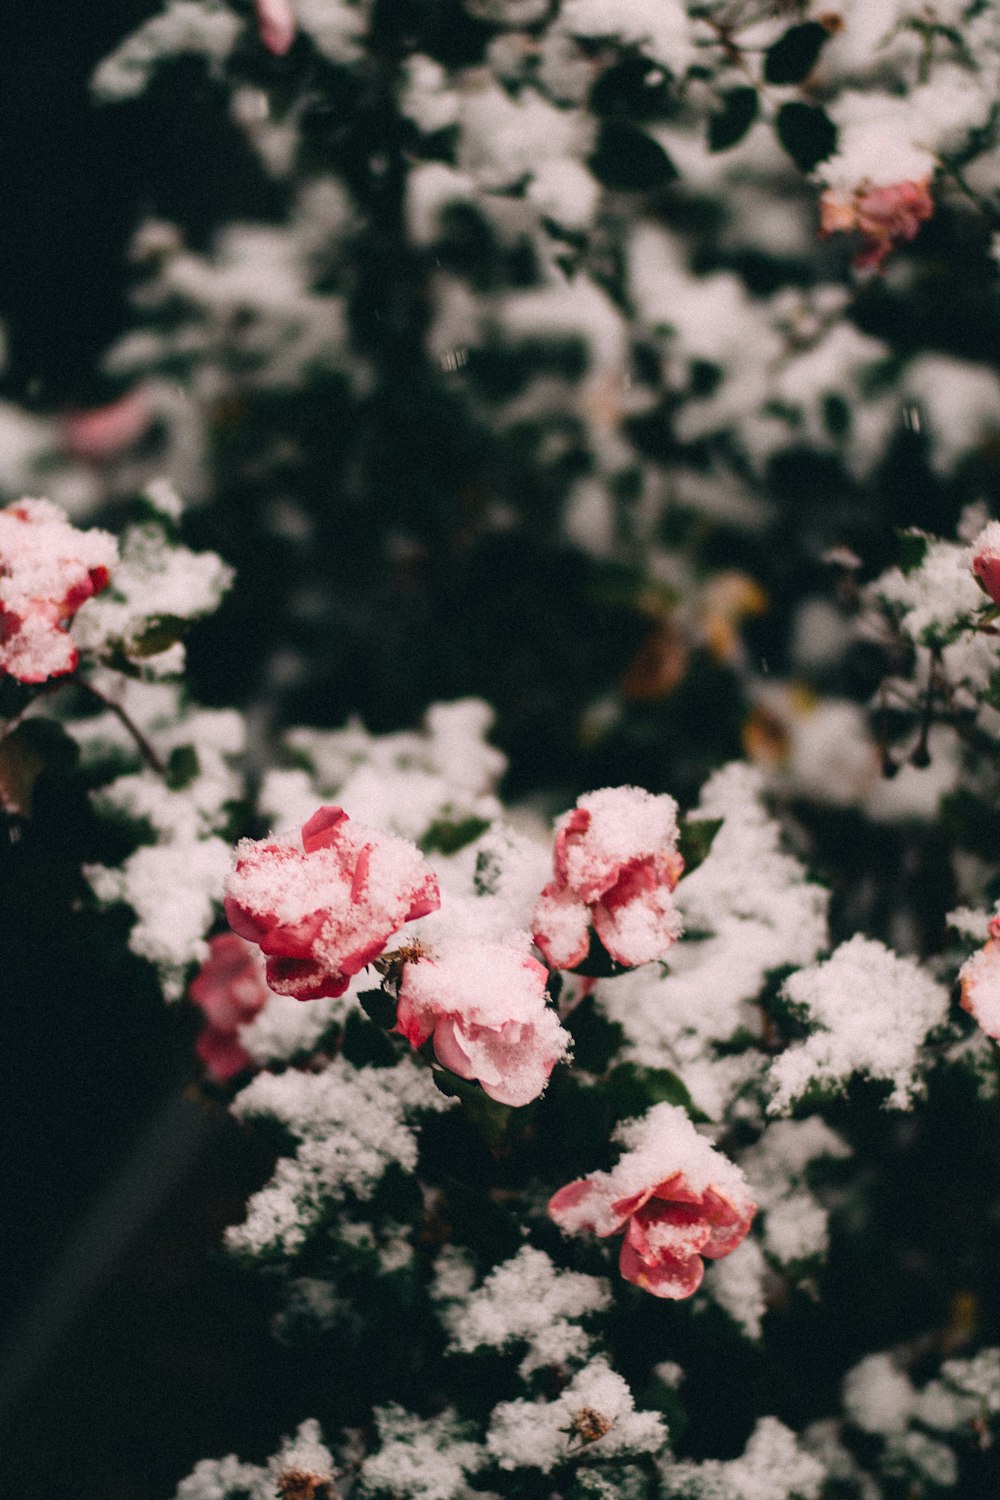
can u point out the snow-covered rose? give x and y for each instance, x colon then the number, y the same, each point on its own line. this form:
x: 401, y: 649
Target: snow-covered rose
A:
x: 484, y: 1004
x: 675, y: 1198
x: 47, y: 570
x: 616, y: 866
x: 986, y: 559
x: 980, y: 980
x: 322, y: 911
x: 885, y: 216
x: 229, y: 989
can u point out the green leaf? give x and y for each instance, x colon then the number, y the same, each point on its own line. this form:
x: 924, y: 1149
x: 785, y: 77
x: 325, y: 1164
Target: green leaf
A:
x: 793, y: 56
x: 182, y: 767
x: 807, y: 133
x: 379, y: 1007
x: 632, y: 1090
x: 629, y: 160
x: 731, y: 123
x: 697, y: 836
x: 595, y: 1038
x: 445, y: 836
x: 32, y: 748
x: 490, y: 1119
x: 366, y: 1045
x: 159, y: 634
x: 912, y: 550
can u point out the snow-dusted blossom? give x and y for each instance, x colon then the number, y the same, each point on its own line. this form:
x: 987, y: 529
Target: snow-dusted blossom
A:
x: 47, y: 570
x: 616, y: 865
x: 986, y: 559
x: 673, y: 1195
x: 484, y: 1004
x: 229, y: 989
x: 980, y: 981
x: 323, y: 911
x: 884, y: 215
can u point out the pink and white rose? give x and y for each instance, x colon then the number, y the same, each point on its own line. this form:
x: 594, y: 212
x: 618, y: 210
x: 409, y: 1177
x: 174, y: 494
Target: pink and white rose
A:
x: 673, y: 1197
x: 986, y: 559
x: 616, y: 865
x: 885, y: 216
x: 979, y: 977
x: 229, y: 989
x: 323, y: 909
x: 48, y: 569
x: 485, y: 1006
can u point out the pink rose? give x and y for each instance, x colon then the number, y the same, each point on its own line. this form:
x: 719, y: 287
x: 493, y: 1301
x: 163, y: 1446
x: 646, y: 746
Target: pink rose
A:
x: 105, y: 431
x: 323, y: 911
x: 229, y: 989
x: 673, y: 1195
x: 885, y: 217
x: 986, y: 559
x: 485, y: 1006
x: 616, y: 865
x: 276, y: 24
x: 47, y: 570
x: 979, y: 977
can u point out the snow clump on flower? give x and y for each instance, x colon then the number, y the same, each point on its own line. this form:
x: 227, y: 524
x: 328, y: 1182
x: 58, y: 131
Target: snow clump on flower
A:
x: 323, y: 911
x: 48, y: 569
x: 675, y: 1197
x: 420, y: 1459
x: 485, y: 1006
x: 616, y: 866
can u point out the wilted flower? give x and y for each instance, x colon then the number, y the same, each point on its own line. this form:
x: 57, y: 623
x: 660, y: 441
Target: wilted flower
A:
x: 323, y: 911
x: 986, y: 559
x: 979, y: 977
x: 229, y: 989
x: 484, y: 1004
x: 616, y: 865
x: 47, y: 570
x: 675, y: 1198
x: 885, y: 216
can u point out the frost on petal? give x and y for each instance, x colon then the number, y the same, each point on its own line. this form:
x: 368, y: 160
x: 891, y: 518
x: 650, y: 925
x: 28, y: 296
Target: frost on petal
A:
x: 48, y: 569
x: 673, y: 1196
x: 485, y: 1006
x: 325, y: 908
x: 616, y: 865
x: 871, y: 1012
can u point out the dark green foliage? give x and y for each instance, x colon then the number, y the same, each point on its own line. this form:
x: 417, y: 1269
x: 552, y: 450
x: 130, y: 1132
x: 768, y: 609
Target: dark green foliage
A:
x: 794, y: 55
x: 630, y: 161
x: 807, y: 133
x: 730, y: 124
